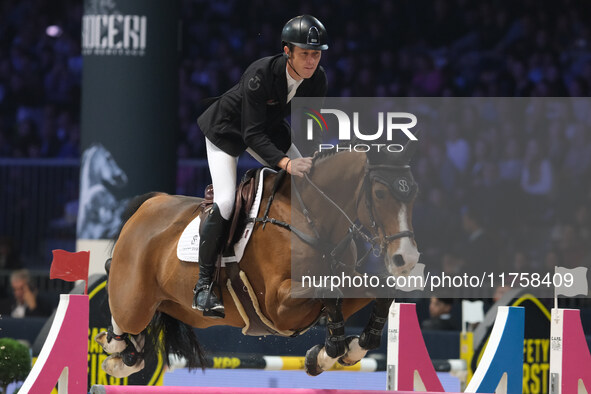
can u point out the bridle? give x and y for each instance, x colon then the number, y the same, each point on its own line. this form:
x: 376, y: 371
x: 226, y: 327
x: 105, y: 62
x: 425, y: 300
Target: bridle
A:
x: 380, y: 173
x: 383, y: 173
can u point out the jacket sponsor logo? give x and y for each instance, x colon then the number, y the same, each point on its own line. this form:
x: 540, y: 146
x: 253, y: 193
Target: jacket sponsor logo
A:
x: 254, y: 83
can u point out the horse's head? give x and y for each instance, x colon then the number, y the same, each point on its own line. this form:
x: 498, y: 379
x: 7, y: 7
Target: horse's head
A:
x: 104, y: 168
x: 390, y: 191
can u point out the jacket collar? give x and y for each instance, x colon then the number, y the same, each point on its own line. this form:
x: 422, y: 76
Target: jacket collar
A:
x: 279, y: 64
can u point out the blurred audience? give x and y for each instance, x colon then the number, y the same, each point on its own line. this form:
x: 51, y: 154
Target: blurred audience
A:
x: 25, y: 301
x: 440, y: 317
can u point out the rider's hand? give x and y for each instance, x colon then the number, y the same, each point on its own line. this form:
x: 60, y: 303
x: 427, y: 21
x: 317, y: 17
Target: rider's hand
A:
x: 297, y: 167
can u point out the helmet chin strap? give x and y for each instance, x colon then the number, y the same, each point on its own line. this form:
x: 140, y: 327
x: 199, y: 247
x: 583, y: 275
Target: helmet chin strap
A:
x: 291, y: 65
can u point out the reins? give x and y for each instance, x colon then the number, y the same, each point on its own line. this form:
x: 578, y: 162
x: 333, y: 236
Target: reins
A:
x: 354, y: 230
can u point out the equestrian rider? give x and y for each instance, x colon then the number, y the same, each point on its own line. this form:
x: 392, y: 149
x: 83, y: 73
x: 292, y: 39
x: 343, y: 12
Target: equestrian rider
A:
x: 251, y: 116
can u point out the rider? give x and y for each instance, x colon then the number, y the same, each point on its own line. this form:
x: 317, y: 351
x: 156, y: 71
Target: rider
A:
x: 251, y: 116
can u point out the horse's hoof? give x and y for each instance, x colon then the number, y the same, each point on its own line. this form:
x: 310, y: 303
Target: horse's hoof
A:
x: 114, y: 366
x: 109, y: 347
x: 354, y: 352
x: 311, y: 361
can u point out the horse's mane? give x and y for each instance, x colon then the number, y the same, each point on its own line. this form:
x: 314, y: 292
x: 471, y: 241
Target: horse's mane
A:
x: 325, y: 154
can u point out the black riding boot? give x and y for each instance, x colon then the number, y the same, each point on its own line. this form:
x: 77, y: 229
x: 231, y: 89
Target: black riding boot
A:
x: 211, y: 240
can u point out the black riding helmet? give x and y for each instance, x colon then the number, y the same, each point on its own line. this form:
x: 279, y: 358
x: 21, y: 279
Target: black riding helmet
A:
x: 306, y: 32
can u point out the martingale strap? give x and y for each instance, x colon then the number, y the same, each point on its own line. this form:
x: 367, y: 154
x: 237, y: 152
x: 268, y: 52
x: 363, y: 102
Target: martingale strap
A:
x: 315, y: 241
x: 312, y: 241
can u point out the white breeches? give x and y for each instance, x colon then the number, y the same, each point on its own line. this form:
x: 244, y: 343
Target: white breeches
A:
x: 222, y: 168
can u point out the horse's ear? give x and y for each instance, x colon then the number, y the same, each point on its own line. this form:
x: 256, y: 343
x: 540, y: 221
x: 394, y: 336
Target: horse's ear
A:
x: 409, y: 150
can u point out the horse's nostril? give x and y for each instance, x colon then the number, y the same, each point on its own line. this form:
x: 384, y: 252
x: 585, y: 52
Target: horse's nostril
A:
x: 398, y: 260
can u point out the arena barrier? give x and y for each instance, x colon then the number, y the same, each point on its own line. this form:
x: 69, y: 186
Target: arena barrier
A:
x: 408, y: 363
x: 409, y: 366
x: 570, y: 360
x: 57, y: 362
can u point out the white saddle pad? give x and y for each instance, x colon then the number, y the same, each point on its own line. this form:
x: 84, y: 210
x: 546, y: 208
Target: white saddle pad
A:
x: 188, y: 245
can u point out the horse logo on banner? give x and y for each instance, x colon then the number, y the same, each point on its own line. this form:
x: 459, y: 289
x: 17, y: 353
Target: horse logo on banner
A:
x: 99, y: 214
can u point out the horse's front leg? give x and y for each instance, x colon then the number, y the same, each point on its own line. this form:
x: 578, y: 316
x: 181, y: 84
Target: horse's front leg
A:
x: 321, y: 358
x: 357, y: 347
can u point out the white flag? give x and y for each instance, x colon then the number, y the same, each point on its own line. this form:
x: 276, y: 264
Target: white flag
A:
x: 570, y: 288
x: 472, y: 312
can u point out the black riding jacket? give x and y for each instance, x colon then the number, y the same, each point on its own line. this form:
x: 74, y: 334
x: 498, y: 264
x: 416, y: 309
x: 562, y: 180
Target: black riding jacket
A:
x: 252, y: 113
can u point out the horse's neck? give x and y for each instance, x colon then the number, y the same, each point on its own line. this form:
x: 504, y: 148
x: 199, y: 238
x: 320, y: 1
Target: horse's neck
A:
x: 340, y: 177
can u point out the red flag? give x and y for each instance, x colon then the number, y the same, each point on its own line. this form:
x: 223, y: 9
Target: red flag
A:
x: 70, y: 266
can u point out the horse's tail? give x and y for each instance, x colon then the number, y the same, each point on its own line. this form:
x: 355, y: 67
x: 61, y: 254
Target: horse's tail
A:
x: 132, y: 206
x: 167, y: 335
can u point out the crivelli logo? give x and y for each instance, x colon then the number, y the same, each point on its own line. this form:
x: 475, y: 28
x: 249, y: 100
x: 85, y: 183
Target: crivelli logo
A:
x: 388, y: 124
x: 107, y: 32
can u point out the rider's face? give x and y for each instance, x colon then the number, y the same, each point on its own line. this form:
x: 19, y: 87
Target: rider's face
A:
x: 304, y: 61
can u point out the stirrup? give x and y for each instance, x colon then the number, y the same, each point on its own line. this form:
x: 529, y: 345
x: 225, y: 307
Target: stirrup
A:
x: 217, y: 311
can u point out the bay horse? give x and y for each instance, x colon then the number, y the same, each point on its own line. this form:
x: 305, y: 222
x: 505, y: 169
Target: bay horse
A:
x: 370, y: 195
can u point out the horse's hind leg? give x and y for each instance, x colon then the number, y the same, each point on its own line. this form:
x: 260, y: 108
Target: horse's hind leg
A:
x: 126, y: 351
x: 112, y: 341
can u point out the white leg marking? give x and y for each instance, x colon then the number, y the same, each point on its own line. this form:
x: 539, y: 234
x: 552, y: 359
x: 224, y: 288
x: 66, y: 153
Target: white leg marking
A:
x: 114, y: 366
x: 138, y: 341
x: 113, y: 346
x: 324, y: 361
x: 116, y: 329
x: 355, y: 353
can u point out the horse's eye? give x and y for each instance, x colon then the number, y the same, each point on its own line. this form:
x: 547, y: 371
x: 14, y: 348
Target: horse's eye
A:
x: 380, y: 194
